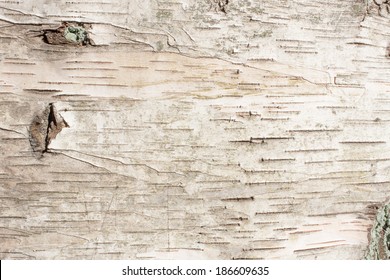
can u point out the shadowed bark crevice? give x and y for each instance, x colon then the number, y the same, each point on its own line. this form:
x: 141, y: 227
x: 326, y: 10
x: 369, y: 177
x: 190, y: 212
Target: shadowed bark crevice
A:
x: 45, y: 127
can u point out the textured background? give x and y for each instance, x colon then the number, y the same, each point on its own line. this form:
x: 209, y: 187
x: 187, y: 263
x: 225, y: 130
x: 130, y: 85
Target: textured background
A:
x: 254, y: 131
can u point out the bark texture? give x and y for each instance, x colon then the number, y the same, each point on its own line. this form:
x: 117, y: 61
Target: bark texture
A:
x: 209, y: 129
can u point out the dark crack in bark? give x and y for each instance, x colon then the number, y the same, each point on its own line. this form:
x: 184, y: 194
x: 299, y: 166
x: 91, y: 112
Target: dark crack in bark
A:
x: 222, y: 4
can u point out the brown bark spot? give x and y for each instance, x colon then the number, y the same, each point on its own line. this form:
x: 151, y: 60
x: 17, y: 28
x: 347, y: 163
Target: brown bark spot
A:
x: 45, y: 127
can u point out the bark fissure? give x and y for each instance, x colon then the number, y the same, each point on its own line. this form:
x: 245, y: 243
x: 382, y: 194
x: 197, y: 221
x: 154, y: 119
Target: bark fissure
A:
x: 44, y: 128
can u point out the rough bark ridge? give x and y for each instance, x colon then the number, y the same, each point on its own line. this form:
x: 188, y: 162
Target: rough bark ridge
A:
x: 195, y: 129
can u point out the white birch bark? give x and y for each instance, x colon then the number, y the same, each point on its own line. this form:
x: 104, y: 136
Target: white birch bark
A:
x: 197, y: 129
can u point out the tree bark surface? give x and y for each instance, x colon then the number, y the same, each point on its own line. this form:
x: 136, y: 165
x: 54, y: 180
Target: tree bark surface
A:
x: 193, y: 129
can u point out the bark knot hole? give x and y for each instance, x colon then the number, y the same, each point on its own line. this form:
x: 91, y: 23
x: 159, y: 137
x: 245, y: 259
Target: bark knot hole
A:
x: 69, y: 33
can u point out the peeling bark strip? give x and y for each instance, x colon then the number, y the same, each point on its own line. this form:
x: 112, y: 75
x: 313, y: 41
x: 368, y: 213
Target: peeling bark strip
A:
x: 379, y: 247
x: 45, y: 127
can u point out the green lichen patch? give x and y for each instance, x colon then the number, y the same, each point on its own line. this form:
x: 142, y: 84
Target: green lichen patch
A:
x: 379, y: 247
x: 76, y: 34
x: 68, y: 33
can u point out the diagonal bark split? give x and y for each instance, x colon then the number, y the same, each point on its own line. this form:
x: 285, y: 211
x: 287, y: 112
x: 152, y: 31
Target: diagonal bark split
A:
x: 45, y: 127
